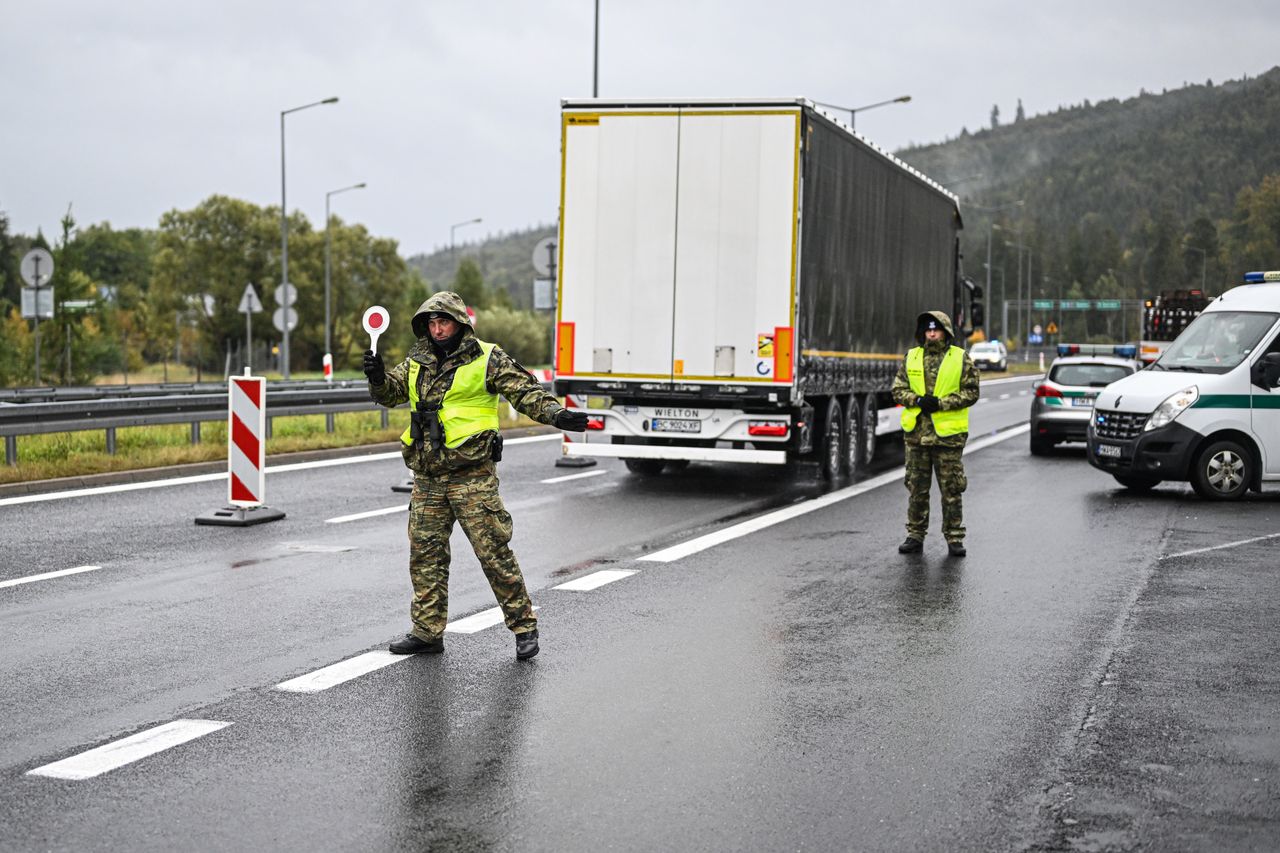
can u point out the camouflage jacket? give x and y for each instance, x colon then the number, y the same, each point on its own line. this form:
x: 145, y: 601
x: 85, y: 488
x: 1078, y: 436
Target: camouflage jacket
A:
x: 504, y: 376
x: 963, y: 398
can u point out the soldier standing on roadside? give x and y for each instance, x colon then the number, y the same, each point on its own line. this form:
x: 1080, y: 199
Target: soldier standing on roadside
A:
x: 451, y: 381
x: 936, y: 385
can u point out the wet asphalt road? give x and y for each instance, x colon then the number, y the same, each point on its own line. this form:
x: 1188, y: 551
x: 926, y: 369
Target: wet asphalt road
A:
x: 1088, y: 678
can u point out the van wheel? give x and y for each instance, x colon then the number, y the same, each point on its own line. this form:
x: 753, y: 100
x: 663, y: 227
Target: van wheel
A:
x: 1223, y: 471
x: 646, y: 467
x: 832, y: 441
x: 1136, y: 484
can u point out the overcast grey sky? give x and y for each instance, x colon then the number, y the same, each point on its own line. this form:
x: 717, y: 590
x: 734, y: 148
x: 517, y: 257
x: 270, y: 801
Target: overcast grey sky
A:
x: 450, y: 110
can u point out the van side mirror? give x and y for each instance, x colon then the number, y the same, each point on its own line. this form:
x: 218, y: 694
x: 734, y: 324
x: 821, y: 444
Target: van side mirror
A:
x: 1266, y: 371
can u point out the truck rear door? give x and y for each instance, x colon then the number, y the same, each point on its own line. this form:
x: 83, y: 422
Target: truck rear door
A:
x: 678, y: 236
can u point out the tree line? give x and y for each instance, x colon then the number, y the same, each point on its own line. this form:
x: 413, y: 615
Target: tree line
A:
x: 134, y: 297
x: 1119, y: 199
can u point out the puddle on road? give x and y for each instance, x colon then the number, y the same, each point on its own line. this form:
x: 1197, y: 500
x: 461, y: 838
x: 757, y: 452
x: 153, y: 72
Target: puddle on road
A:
x: 294, y: 548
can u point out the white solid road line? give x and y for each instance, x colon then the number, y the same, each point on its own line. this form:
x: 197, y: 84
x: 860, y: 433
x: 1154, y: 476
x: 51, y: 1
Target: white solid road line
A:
x: 118, y: 753
x: 581, y: 476
x: 1221, y: 547
x: 209, y: 478
x: 595, y: 580
x: 335, y: 674
x: 47, y: 575
x: 341, y: 519
x: 702, y: 543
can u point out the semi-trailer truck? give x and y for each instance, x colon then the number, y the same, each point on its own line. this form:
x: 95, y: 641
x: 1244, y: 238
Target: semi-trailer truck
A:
x: 738, y: 281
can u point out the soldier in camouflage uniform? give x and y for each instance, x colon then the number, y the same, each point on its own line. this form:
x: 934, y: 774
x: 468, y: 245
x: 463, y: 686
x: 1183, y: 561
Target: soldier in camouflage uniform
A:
x: 452, y: 380
x: 936, y: 385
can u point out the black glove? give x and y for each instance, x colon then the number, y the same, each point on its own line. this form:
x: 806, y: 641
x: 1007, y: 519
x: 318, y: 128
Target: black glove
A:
x: 568, y: 419
x: 928, y: 404
x: 374, y: 368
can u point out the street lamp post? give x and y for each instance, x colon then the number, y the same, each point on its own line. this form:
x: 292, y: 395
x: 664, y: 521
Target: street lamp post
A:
x: 853, y: 111
x: 991, y: 226
x: 453, y: 228
x: 328, y: 348
x: 284, y: 228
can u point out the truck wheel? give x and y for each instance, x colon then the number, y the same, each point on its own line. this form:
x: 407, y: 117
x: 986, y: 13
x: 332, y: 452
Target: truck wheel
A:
x: 867, y: 435
x: 1222, y: 472
x: 832, y: 441
x: 1136, y: 484
x: 852, y: 435
x: 646, y: 467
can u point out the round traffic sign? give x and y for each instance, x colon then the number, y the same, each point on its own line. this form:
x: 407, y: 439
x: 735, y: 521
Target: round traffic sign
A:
x: 285, y: 295
x: 376, y: 319
x: 1036, y: 329
x: 37, y: 267
x: 285, y: 315
x: 544, y: 255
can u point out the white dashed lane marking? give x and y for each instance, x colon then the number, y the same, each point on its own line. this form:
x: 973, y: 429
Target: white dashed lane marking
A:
x: 335, y: 674
x: 118, y: 753
x: 595, y: 580
x: 49, y: 575
x: 343, y: 519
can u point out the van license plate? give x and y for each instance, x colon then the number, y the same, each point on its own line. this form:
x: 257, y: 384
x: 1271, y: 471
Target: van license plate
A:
x: 674, y: 425
x: 1109, y: 450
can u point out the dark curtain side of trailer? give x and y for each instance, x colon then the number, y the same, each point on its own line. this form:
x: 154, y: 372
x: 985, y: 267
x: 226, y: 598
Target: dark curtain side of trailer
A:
x: 877, y: 247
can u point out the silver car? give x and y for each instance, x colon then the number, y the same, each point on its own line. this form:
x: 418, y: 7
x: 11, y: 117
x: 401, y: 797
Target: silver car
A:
x: 1064, y: 399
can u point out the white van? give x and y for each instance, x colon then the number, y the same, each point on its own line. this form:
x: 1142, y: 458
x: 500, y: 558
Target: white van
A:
x: 1208, y: 411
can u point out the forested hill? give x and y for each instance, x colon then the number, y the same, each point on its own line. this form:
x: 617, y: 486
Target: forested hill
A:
x: 505, y: 262
x: 1128, y: 182
x: 1120, y: 198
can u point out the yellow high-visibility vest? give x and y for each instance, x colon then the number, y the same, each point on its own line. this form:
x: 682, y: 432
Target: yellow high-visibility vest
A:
x: 468, y: 406
x: 948, y: 382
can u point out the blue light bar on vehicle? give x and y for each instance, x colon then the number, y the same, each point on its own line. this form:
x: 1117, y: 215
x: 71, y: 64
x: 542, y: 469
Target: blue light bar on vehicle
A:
x: 1260, y: 277
x: 1120, y: 350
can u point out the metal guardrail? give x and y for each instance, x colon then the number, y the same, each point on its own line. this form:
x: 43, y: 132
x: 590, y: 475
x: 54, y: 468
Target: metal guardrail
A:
x: 52, y: 393
x: 199, y: 404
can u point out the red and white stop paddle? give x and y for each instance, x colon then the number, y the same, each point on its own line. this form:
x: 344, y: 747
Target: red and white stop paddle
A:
x: 376, y: 320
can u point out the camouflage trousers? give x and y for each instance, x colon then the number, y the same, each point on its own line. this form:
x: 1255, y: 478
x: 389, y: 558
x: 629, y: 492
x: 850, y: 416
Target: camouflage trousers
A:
x: 469, y: 495
x: 923, y: 461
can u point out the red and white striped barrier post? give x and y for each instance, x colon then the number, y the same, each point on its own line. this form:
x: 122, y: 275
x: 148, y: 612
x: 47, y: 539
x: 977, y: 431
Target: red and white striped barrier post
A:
x: 246, y: 456
x: 566, y: 461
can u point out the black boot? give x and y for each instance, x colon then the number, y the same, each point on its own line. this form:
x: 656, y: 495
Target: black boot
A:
x: 956, y: 549
x: 911, y: 545
x: 526, y: 645
x: 411, y: 645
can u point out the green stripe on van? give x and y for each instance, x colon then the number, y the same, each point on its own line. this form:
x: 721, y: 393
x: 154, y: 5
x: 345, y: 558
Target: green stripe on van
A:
x: 1238, y: 401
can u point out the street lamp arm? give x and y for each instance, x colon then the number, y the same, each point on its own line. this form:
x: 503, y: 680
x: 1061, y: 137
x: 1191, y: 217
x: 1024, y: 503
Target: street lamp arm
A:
x: 309, y: 106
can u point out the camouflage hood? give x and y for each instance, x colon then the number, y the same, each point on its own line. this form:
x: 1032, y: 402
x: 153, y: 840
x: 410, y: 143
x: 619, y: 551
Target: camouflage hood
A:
x: 444, y: 302
x: 943, y: 320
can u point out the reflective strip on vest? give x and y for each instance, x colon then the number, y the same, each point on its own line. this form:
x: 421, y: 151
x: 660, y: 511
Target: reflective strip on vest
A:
x: 948, y: 382
x: 468, y: 408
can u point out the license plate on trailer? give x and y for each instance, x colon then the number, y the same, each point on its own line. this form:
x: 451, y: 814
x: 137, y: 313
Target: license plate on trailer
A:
x: 1082, y: 401
x: 1109, y: 450
x: 674, y: 425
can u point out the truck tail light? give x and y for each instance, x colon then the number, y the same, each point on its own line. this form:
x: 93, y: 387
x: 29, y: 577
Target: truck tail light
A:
x: 1047, y: 390
x: 767, y: 428
x: 595, y: 423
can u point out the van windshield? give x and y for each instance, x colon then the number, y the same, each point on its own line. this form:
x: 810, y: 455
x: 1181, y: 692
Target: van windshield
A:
x: 1216, y: 341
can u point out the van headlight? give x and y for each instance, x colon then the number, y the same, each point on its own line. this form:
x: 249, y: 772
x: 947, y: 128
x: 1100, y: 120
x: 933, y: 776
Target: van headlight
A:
x: 1173, y: 406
